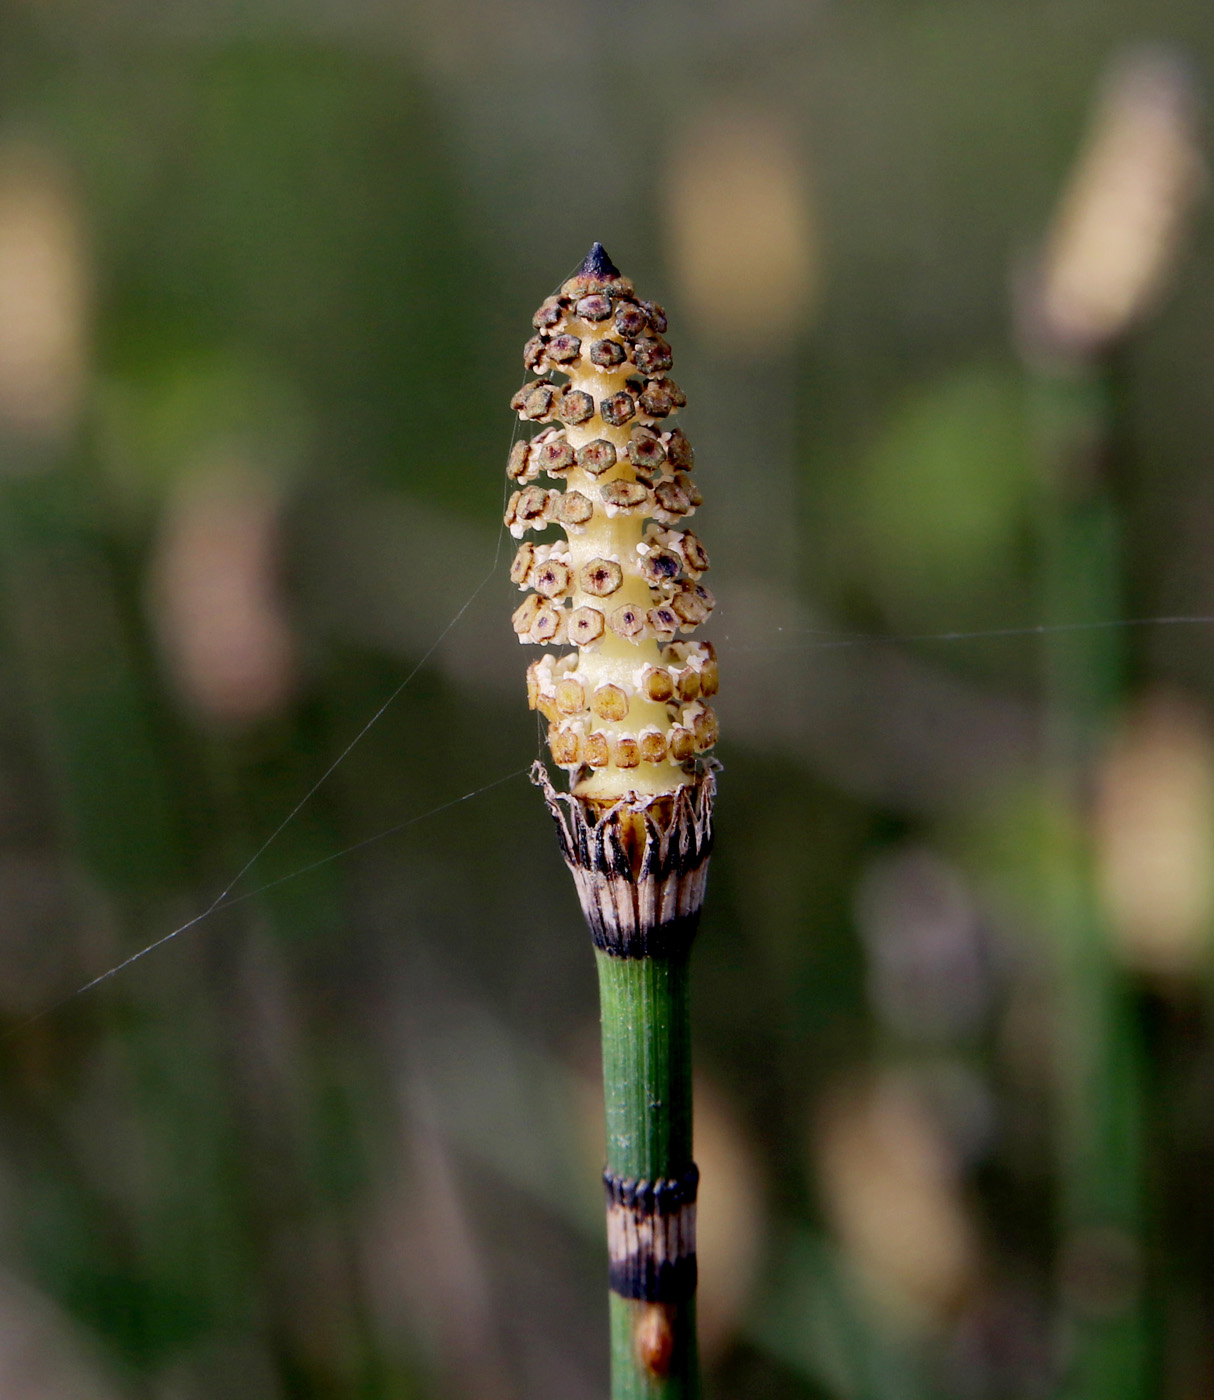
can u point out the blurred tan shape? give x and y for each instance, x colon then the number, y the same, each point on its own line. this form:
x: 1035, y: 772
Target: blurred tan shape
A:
x: 426, y: 1264
x: 1117, y: 231
x: 744, y: 248
x: 1155, y: 835
x: 890, y: 1186
x: 43, y: 295
x: 216, y: 597
x: 730, y: 1224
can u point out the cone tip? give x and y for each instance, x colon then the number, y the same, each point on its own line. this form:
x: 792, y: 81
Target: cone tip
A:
x: 598, y: 265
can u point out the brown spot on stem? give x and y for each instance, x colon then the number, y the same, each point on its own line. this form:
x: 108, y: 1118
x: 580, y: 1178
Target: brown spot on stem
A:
x: 653, y: 1336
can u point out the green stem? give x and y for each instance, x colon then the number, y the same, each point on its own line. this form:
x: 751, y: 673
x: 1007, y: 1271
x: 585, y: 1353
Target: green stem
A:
x: 647, y: 1088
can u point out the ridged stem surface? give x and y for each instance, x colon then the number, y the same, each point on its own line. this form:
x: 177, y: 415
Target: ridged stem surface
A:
x: 647, y: 1090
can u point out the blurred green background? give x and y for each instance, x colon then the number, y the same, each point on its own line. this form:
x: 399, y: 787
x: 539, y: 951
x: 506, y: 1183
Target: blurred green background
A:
x: 941, y: 289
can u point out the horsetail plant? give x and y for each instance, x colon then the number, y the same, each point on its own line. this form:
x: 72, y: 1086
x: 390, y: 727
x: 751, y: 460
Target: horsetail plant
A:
x: 629, y: 720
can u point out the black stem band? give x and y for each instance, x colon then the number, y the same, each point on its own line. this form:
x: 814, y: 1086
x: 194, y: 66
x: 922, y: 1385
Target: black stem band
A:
x: 651, y: 1236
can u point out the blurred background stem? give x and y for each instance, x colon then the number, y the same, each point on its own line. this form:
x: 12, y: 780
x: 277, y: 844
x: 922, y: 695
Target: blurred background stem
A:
x: 1098, y: 1044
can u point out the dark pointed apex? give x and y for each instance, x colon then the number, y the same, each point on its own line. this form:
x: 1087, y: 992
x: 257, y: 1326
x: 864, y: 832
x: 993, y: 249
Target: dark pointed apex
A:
x: 598, y: 265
